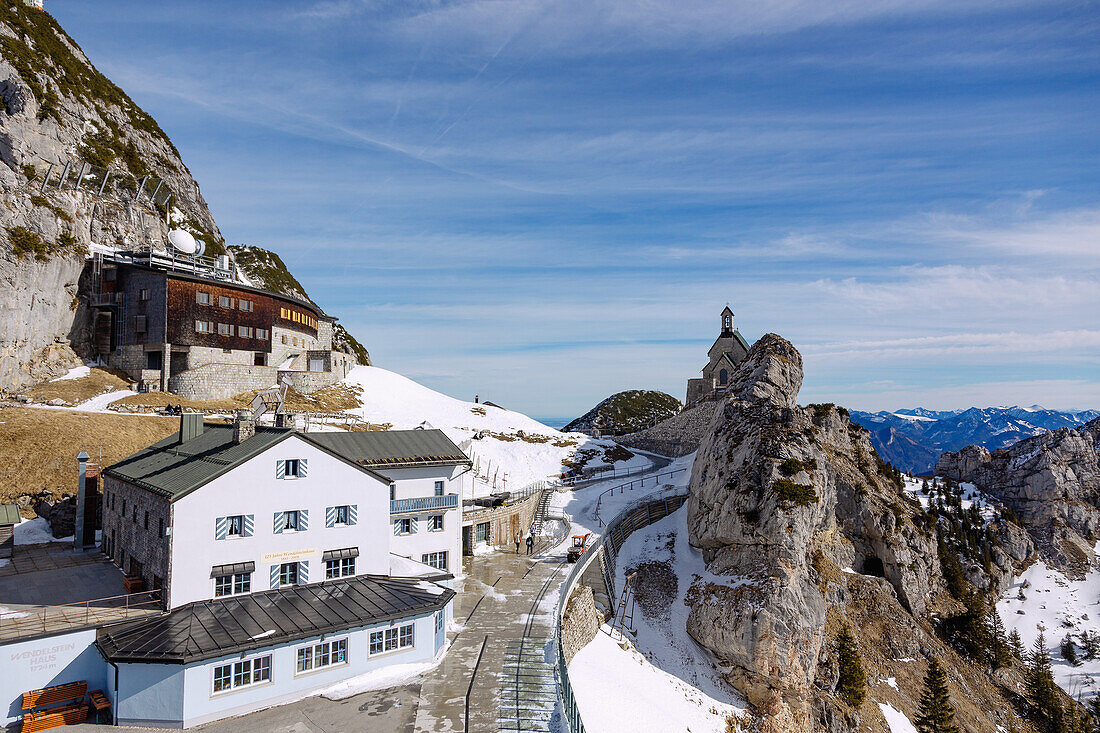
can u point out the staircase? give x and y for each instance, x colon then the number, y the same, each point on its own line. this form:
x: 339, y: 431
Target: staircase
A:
x: 529, y: 694
x: 542, y: 511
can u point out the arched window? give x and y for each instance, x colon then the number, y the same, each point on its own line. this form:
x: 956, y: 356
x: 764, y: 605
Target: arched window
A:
x: 727, y: 323
x: 723, y: 375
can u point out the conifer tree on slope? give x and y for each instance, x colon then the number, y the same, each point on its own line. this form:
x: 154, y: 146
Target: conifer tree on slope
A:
x: 935, y: 714
x: 1041, y: 687
x: 852, y: 682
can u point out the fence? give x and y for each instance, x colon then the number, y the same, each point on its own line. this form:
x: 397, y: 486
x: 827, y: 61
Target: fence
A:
x: 629, y: 486
x: 79, y: 175
x: 49, y: 619
x: 603, y: 551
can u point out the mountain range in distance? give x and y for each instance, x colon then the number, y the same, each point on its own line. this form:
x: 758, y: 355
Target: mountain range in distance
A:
x: 913, y: 439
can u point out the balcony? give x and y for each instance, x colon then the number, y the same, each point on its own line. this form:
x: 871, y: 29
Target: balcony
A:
x: 423, y: 504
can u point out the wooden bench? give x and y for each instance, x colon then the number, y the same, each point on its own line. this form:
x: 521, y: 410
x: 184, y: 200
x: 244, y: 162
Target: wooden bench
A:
x: 73, y: 711
x: 99, y: 703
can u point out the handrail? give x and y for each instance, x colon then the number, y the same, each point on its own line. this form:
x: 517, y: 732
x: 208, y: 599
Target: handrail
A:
x: 630, y: 485
x: 39, y: 618
x: 613, y: 537
x: 423, y: 503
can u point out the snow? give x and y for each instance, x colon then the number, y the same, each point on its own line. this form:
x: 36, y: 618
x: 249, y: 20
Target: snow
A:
x: 6, y: 612
x: 896, y: 719
x: 971, y: 496
x: 651, y: 699
x: 74, y: 373
x: 380, y: 679
x: 914, y: 418
x: 1043, y: 598
x: 432, y: 588
x: 388, y: 397
x: 661, y: 679
x: 35, y: 532
x: 98, y: 403
x: 404, y: 567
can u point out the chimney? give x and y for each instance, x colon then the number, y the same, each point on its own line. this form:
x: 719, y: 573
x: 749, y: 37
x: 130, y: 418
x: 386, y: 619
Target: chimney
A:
x: 285, y: 420
x: 190, y: 426
x: 81, y: 498
x: 244, y: 427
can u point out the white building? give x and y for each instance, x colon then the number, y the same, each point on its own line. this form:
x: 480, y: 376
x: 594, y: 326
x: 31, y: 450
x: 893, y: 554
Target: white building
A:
x: 276, y: 552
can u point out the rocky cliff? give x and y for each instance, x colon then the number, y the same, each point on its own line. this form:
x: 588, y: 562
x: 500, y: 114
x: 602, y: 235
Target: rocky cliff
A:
x: 804, y: 528
x: 627, y: 412
x: 57, y: 109
x: 1051, y: 482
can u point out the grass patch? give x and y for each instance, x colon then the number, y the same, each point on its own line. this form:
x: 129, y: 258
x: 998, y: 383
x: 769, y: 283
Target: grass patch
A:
x: 791, y: 493
x: 75, y: 391
x: 333, y: 399
x: 40, y: 446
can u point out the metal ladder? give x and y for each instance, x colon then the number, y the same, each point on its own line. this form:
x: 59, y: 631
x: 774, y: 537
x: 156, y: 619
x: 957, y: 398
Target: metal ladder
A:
x: 623, y: 618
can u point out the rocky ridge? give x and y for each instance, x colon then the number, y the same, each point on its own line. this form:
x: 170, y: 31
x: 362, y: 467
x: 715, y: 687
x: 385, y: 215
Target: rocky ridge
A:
x: 1051, y: 482
x: 782, y: 498
x: 626, y: 412
x: 57, y: 108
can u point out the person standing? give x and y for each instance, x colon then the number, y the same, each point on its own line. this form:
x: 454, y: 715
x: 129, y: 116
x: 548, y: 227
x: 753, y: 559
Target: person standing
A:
x: 517, y: 542
x: 530, y: 543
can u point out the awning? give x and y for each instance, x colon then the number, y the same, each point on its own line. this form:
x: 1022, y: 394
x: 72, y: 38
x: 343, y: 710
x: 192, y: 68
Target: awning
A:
x: 340, y: 554
x: 236, y: 568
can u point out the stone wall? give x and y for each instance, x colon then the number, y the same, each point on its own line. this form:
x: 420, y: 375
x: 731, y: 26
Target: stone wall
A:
x: 139, y: 537
x: 308, y: 382
x: 504, y: 521
x: 219, y: 381
x: 676, y: 436
x: 581, y: 622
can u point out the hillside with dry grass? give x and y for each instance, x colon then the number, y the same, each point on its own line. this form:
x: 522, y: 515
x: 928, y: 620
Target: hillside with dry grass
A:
x: 38, y: 447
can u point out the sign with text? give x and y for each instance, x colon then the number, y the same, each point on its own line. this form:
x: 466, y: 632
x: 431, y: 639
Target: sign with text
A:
x: 277, y: 558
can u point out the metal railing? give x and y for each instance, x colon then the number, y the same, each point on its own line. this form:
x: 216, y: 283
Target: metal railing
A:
x: 46, y: 619
x: 604, y: 550
x: 629, y: 486
x: 423, y: 504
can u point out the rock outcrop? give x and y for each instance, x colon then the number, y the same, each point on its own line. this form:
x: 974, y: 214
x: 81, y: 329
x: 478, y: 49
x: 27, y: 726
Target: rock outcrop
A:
x: 1051, y: 482
x: 57, y: 108
x: 677, y: 436
x: 626, y: 412
x: 781, y: 494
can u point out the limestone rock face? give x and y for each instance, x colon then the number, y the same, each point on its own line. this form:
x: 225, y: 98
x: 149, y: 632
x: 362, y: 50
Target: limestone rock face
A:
x: 1051, y: 482
x: 57, y: 108
x: 781, y: 497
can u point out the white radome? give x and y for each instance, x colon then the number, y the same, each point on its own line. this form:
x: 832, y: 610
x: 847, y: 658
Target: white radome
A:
x: 183, y: 241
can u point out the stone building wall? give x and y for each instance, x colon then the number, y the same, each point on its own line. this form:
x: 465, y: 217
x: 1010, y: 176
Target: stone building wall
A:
x: 308, y: 382
x: 580, y: 623
x: 504, y: 521
x: 143, y: 539
x: 219, y: 381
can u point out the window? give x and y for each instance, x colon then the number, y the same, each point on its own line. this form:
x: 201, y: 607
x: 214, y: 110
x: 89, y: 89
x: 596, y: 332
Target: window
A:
x: 261, y: 334
x: 341, y: 568
x: 146, y: 520
x: 284, y: 339
x: 139, y: 324
x: 244, y: 331
x: 288, y: 574
x: 435, y: 523
x: 393, y: 491
x: 291, y: 468
x: 202, y: 298
x: 402, y: 526
x: 291, y: 520
x: 439, y: 488
x: 225, y: 301
x: 242, y: 674
x: 204, y: 326
x: 325, y: 654
x: 124, y: 507
x: 143, y: 294
x: 438, y: 621
x: 437, y: 560
x: 235, y: 527
x: 387, y: 640
x: 245, y: 305
x: 160, y: 528
x: 231, y: 585
x: 135, y: 514
x: 224, y: 329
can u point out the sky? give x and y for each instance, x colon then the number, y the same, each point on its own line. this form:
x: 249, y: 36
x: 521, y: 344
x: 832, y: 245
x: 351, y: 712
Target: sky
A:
x: 545, y: 202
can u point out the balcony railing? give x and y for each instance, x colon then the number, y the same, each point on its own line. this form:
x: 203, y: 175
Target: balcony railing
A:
x: 423, y: 504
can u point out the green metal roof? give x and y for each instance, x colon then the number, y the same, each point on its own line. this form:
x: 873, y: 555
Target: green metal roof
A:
x: 378, y: 448
x: 173, y: 469
x: 9, y: 514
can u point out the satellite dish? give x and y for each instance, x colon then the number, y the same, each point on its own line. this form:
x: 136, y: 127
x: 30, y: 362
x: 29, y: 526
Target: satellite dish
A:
x: 182, y: 241
x: 201, y: 250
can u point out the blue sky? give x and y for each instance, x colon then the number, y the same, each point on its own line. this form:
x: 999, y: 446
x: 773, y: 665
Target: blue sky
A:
x: 547, y: 202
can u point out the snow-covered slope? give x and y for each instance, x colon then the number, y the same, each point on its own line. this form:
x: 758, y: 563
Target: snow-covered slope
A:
x: 510, y: 449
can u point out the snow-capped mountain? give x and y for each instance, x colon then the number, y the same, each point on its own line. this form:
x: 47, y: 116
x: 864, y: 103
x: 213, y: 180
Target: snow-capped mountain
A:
x: 912, y: 439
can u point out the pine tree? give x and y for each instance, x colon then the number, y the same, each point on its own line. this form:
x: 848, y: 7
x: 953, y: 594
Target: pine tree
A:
x: 935, y: 714
x: 1069, y: 650
x: 1000, y: 649
x: 1016, y: 644
x: 1090, y: 640
x: 1094, y: 709
x: 852, y: 682
x: 1040, y: 684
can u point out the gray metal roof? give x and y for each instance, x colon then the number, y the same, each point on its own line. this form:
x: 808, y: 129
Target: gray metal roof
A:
x: 9, y: 514
x: 380, y: 448
x: 173, y: 469
x: 216, y: 628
